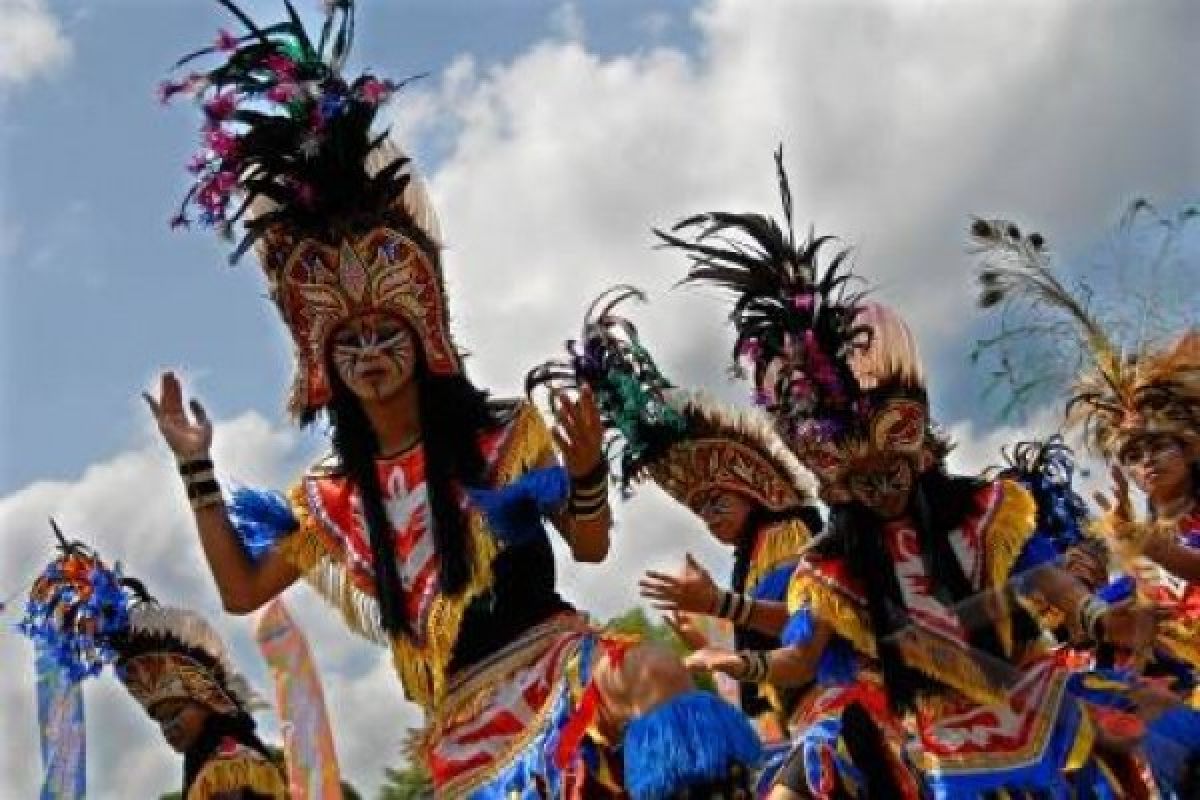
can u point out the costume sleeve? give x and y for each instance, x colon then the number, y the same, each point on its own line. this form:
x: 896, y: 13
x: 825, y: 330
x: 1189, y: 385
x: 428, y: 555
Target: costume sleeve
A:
x: 268, y: 519
x: 813, y: 597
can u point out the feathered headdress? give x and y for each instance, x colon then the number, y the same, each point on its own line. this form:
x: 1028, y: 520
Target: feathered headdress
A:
x: 341, y: 224
x: 686, y: 443
x: 1047, y: 469
x: 87, y: 615
x: 1121, y: 394
x: 824, y: 366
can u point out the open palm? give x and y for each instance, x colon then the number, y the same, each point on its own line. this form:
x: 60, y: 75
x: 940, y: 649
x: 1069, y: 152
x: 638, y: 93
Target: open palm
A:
x: 187, y: 437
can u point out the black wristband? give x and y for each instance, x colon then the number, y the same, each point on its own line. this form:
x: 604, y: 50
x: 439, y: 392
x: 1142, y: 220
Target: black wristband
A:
x: 195, y: 466
x: 202, y: 488
x: 593, y: 480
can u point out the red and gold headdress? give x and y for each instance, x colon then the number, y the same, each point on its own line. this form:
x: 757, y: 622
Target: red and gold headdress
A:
x: 341, y: 224
x: 840, y: 376
x: 1120, y: 395
x: 685, y: 442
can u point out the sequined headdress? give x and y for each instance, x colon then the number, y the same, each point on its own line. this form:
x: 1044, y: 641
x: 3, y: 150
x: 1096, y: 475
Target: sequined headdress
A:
x: 341, y: 224
x: 1122, y: 394
x: 88, y: 615
x: 685, y: 442
x: 840, y: 376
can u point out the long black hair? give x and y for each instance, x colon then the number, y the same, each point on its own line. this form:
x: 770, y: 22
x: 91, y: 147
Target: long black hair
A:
x: 859, y: 538
x: 452, y: 414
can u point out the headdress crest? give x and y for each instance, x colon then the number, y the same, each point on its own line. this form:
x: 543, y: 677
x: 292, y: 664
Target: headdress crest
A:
x: 87, y: 615
x: 683, y: 441
x: 1120, y: 394
x: 342, y: 225
x: 840, y: 375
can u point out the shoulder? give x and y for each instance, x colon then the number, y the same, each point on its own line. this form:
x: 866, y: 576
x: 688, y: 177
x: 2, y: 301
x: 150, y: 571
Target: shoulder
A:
x: 519, y: 442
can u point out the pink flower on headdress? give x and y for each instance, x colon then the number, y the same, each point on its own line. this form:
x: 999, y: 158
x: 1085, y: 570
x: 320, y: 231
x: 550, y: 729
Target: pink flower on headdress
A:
x: 283, y: 67
x: 374, y: 91
x: 220, y: 107
x: 802, y: 302
x: 225, y: 182
x: 316, y: 120
x: 221, y: 142
x: 197, y: 163
x: 226, y: 41
x: 750, y: 349
x: 283, y: 92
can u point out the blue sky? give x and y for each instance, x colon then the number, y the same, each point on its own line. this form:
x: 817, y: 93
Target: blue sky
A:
x: 554, y: 135
x: 97, y: 288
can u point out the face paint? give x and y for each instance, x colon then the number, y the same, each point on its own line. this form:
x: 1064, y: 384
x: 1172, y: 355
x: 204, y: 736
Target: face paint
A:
x: 181, y: 722
x: 885, y: 489
x: 1158, y: 466
x: 723, y: 512
x: 374, y: 355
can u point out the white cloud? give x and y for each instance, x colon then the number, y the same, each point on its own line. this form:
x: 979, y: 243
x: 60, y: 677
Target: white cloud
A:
x: 898, y: 120
x: 32, y: 42
x: 131, y: 508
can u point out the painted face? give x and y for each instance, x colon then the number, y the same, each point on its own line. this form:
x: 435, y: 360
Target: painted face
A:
x: 884, y: 487
x: 181, y: 721
x: 724, y: 513
x: 1158, y: 465
x: 374, y: 355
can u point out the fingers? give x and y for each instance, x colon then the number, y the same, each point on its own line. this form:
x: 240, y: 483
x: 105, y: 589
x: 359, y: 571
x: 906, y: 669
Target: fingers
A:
x: 1124, y: 505
x: 561, y: 442
x: 200, y: 414
x: 1102, y: 501
x: 171, y: 393
x: 150, y: 401
x: 671, y: 620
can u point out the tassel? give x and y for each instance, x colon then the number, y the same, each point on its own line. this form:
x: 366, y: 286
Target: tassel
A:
x: 260, y: 518
x: 691, y: 739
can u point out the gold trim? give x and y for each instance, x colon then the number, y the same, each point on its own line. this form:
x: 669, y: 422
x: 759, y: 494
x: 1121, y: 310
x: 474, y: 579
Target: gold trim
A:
x: 780, y: 543
x: 236, y: 773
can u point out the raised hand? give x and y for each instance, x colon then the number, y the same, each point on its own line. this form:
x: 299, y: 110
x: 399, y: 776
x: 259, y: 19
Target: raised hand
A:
x: 692, y: 590
x: 685, y: 628
x: 187, y: 438
x: 579, y: 434
x: 1128, y: 536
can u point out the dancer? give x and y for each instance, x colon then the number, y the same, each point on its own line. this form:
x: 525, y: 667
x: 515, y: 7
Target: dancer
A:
x: 1137, y: 407
x: 937, y: 560
x: 727, y: 466
x: 425, y: 524
x: 169, y: 659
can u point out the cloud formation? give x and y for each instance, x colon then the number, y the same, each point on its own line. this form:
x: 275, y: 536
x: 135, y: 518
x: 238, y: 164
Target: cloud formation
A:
x: 32, y: 42
x: 898, y: 119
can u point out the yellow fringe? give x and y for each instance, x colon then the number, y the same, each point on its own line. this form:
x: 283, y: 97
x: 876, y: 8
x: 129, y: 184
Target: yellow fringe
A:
x: 780, y: 544
x: 1013, y: 522
x: 244, y: 772
x: 847, y: 618
x: 421, y: 666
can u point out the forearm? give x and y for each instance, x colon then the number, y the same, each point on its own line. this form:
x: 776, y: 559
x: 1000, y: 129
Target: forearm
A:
x: 588, y: 537
x: 1181, y: 561
x: 768, y: 617
x: 784, y: 667
x: 232, y: 569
